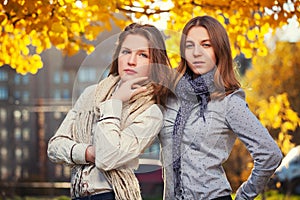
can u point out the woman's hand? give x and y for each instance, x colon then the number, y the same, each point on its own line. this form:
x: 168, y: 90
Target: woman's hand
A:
x: 90, y: 154
x: 129, y: 89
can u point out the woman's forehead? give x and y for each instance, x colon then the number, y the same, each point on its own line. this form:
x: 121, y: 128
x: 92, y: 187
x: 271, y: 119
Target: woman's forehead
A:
x: 135, y: 42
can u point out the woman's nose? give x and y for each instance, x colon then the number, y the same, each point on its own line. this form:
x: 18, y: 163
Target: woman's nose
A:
x: 198, y: 51
x: 132, y: 60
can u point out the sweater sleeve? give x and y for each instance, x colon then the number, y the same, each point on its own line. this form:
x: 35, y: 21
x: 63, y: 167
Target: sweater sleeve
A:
x: 262, y: 147
x: 61, y: 147
x: 116, y: 147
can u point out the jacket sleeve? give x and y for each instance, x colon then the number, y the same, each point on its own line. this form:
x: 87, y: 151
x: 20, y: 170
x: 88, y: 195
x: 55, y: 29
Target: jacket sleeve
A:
x: 61, y: 147
x: 116, y: 147
x: 262, y: 147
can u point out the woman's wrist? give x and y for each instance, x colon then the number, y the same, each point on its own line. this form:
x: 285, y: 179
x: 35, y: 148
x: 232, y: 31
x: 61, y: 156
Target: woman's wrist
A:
x: 90, y: 154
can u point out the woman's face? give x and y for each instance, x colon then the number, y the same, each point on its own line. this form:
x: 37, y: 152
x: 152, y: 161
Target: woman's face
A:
x: 134, y: 58
x: 199, y: 53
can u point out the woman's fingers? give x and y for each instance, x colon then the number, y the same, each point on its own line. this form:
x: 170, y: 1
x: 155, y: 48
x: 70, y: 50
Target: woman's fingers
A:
x: 134, y: 84
x: 139, y: 90
x: 138, y: 79
x: 129, y: 89
x: 136, y: 87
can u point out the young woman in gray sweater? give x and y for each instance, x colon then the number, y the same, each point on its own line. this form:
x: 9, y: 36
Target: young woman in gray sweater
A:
x: 204, y: 118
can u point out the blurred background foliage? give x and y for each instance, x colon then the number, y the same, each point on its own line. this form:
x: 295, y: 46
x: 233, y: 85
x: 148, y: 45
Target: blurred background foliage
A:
x: 273, y: 92
x: 30, y: 27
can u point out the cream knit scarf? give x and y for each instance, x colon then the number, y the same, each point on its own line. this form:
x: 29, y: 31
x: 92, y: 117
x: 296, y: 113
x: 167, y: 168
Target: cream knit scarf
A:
x: 123, y: 181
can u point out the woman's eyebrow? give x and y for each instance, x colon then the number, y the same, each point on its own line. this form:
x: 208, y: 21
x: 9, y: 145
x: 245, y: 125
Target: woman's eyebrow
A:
x: 144, y: 49
x: 206, y: 40
x: 191, y: 41
x: 123, y: 47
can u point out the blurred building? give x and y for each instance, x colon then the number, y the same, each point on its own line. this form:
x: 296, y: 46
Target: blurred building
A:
x: 31, y: 109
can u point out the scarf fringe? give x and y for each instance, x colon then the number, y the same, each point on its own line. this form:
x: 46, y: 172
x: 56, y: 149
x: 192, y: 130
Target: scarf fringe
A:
x: 125, y: 184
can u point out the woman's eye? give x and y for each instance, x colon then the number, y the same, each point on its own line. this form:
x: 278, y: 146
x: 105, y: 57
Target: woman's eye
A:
x: 125, y: 52
x: 206, y: 45
x: 144, y: 55
x: 189, y: 46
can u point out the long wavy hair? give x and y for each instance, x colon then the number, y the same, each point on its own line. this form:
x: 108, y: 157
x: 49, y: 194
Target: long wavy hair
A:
x: 224, y: 77
x: 160, y: 63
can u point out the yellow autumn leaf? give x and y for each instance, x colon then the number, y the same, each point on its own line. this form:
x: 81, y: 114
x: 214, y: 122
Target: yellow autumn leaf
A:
x: 288, y: 126
x: 257, y: 16
x: 251, y: 35
x: 280, y: 136
x: 90, y: 49
x: 262, y: 51
x: 57, y: 27
x: 25, y: 51
x: 234, y: 52
x: 71, y: 50
x: 3, y: 19
x: 233, y: 21
x: 247, y: 52
x: 241, y: 39
x: 75, y: 26
x: 292, y: 115
x: 284, y: 97
x: 9, y: 28
x: 138, y: 15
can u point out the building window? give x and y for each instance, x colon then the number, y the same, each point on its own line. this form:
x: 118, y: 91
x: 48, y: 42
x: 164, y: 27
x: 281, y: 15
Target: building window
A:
x: 17, y: 79
x: 18, y: 171
x: 58, y: 170
x: 67, y: 171
x: 57, y: 115
x: 4, y: 173
x: 3, y: 135
x: 56, y: 78
x: 66, y: 94
x: 17, y: 94
x: 56, y: 94
x: 26, y: 134
x: 25, y: 96
x: 25, y: 79
x: 25, y: 153
x: 18, y: 154
x: 87, y: 75
x: 18, y: 134
x: 3, y: 115
x: 3, y: 93
x: 3, y: 153
x: 3, y: 75
x: 25, y: 173
x: 26, y: 115
x: 17, y: 116
x: 65, y: 77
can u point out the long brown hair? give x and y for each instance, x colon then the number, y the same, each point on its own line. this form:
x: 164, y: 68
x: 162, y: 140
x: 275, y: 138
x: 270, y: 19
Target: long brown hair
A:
x: 224, y: 77
x: 160, y: 63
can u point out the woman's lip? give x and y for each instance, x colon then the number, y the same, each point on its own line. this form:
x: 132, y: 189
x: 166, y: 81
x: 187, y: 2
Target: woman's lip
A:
x: 198, y: 62
x: 129, y: 71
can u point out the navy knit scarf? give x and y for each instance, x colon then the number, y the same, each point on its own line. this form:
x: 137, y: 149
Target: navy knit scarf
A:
x: 189, y: 91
